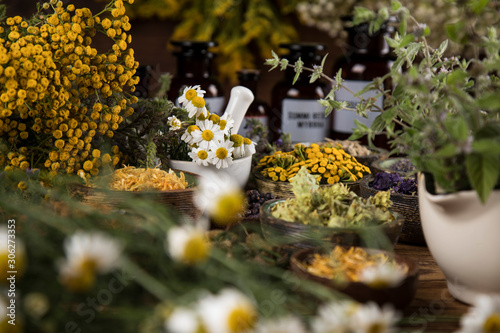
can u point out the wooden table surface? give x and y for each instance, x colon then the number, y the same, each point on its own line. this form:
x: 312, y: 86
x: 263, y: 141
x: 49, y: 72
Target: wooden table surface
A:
x: 433, y: 308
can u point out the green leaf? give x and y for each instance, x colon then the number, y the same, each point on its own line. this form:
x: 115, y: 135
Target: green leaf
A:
x: 483, y: 171
x: 478, y: 6
x: 378, y: 125
x: 457, y: 128
x: 407, y: 39
x: 448, y: 150
x: 486, y: 146
x: 455, y: 31
x: 489, y: 101
x: 389, y: 114
x: 458, y: 76
x: 298, y: 70
x: 395, y: 5
x: 362, y: 15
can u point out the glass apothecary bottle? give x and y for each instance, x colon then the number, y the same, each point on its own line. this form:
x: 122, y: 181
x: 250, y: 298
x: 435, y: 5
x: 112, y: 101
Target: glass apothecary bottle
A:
x: 295, y: 107
x: 367, y: 57
x: 194, y: 67
x: 259, y: 110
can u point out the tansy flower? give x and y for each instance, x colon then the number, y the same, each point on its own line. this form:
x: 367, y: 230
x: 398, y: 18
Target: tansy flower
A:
x: 382, y: 275
x: 88, y: 253
x: 200, y: 156
x: 197, y: 107
x: 484, y: 315
x: 184, y: 320
x: 369, y: 318
x: 189, y: 93
x: 228, y: 312
x: 174, y: 123
x: 188, y: 244
x: 282, y: 325
x: 208, y: 135
x: 221, y: 154
x: 220, y: 197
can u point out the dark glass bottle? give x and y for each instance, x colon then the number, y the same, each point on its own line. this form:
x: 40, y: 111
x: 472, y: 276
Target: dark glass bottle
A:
x: 295, y: 107
x: 258, y: 110
x: 368, y: 57
x: 194, y: 67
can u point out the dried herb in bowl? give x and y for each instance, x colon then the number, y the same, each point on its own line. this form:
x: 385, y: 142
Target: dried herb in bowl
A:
x: 384, y: 181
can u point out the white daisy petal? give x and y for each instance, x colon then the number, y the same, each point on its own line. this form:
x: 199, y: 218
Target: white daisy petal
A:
x: 370, y: 317
x: 484, y: 316
x: 286, y: 324
x: 182, y: 320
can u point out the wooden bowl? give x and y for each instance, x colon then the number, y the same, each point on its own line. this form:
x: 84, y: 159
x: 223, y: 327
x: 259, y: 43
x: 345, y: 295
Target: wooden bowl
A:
x: 399, y: 296
x: 404, y: 204
x: 180, y: 200
x: 284, y: 189
x: 296, y: 235
x: 377, y: 154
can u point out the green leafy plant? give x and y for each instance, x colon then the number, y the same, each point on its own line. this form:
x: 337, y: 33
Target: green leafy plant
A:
x: 443, y: 112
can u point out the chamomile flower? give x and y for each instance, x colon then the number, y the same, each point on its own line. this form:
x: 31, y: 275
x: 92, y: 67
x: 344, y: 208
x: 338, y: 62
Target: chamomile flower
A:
x: 249, y: 146
x: 382, y: 275
x: 200, y: 156
x: 196, y: 107
x: 174, y: 123
x: 188, y: 244
x: 183, y: 320
x: 220, y: 197
x: 88, y: 253
x: 208, y: 135
x: 239, y: 148
x: 228, y: 312
x: 221, y: 154
x: 484, y: 316
x: 281, y: 325
x: 370, y: 318
x: 187, y: 135
x: 226, y: 123
x: 334, y: 317
x: 189, y: 93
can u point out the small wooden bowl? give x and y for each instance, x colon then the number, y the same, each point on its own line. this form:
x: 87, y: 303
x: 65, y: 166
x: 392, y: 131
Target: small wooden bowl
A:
x: 284, y: 189
x: 180, y: 200
x: 385, y: 165
x: 398, y: 296
x: 296, y: 235
x: 404, y: 204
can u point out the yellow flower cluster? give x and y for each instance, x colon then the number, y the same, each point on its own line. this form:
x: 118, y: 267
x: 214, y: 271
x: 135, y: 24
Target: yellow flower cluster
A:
x: 60, y: 97
x: 329, y: 163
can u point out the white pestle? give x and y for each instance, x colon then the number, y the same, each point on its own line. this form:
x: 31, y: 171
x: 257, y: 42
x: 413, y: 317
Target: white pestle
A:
x: 239, y: 101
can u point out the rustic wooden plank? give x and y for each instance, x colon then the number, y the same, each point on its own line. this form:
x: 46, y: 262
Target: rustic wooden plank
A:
x: 433, y: 308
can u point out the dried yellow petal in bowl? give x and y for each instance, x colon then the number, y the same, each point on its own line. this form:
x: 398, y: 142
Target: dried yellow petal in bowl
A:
x: 151, y: 179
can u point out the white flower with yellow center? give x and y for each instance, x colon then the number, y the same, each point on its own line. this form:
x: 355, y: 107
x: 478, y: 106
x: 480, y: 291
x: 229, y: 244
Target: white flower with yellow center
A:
x: 183, y: 320
x: 286, y: 324
x: 208, y: 135
x: 88, y: 253
x: 226, y: 123
x: 173, y: 123
x: 221, y: 155
x: 370, y: 318
x: 16, y: 247
x: 484, y: 316
x: 189, y: 93
x: 187, y: 136
x: 200, y: 156
x: 334, y: 317
x: 249, y: 146
x: 188, y: 244
x: 228, y: 312
x: 220, y: 197
x: 383, y: 275
x: 196, y: 107
x: 239, y: 148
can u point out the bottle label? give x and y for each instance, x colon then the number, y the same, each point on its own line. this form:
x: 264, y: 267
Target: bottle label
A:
x: 246, y: 129
x: 304, y: 120
x: 213, y: 104
x: 343, y: 120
